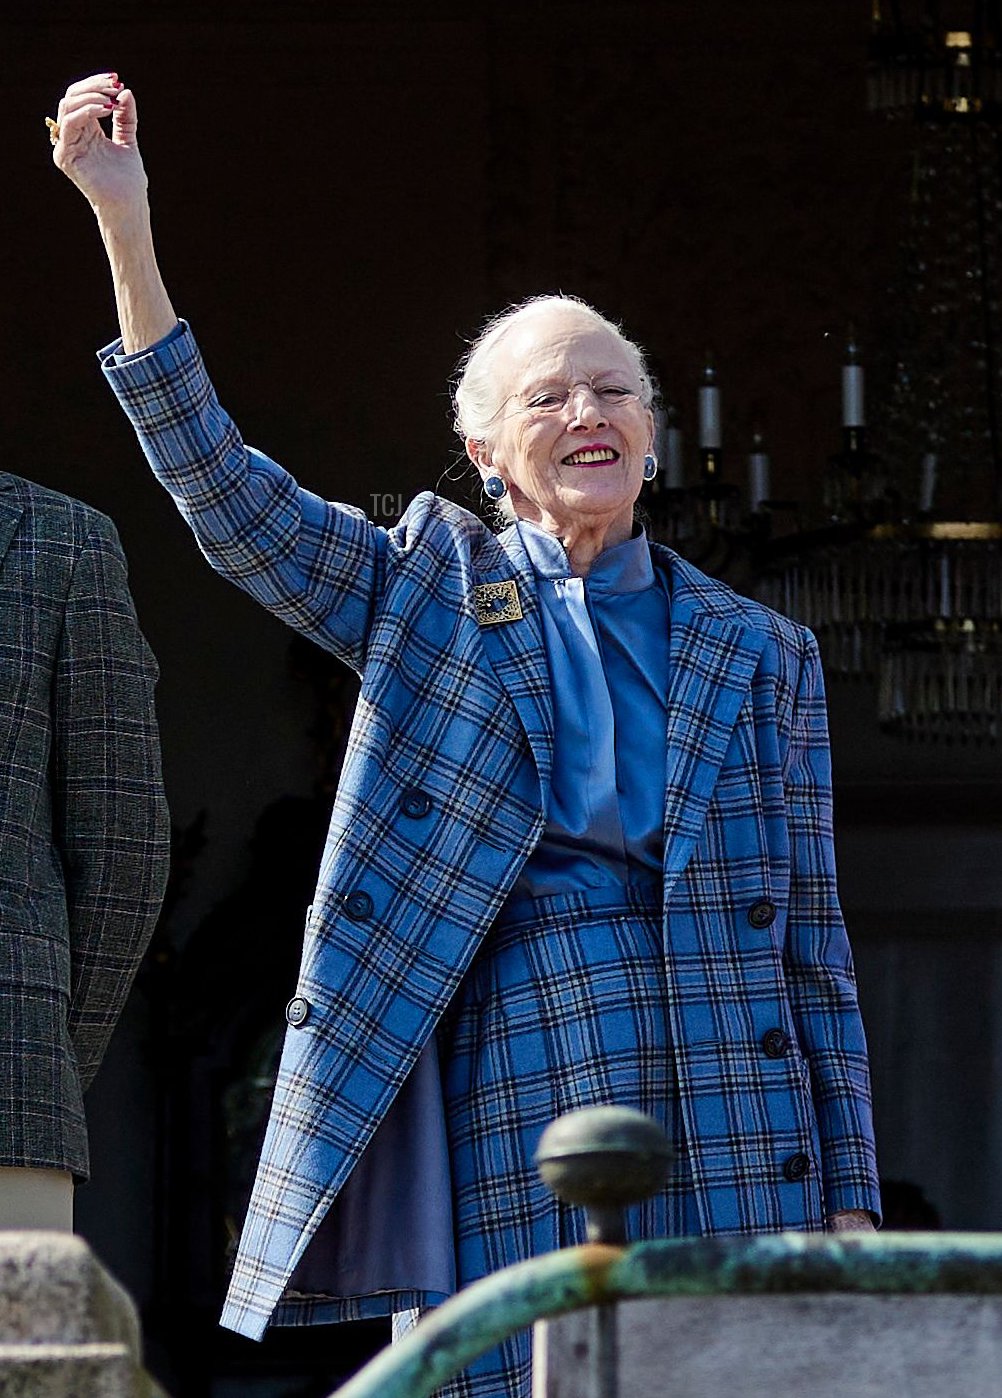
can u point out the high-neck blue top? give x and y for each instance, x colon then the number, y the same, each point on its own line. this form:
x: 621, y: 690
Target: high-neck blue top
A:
x: 606, y: 640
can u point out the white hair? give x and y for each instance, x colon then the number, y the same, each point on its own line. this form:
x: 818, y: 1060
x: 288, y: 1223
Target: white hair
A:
x: 477, y: 398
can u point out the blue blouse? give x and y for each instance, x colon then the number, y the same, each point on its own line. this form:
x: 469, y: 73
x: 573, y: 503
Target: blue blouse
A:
x: 606, y: 639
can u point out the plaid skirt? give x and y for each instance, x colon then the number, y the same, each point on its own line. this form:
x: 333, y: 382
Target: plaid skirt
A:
x: 565, y: 1006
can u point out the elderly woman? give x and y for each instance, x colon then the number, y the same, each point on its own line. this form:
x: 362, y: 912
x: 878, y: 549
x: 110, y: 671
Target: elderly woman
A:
x: 581, y: 850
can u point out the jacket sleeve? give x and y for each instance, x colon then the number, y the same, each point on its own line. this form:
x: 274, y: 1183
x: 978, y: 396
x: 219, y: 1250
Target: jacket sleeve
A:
x: 818, y: 961
x: 110, y: 817
x: 316, y: 565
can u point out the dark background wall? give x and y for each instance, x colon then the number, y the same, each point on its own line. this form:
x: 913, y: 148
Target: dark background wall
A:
x: 341, y: 194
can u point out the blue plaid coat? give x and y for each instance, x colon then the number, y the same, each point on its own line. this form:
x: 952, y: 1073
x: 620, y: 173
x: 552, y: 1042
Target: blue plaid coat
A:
x: 442, y: 797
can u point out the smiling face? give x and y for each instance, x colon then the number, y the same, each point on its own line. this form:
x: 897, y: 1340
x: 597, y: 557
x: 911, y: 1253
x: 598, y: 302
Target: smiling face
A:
x: 572, y: 432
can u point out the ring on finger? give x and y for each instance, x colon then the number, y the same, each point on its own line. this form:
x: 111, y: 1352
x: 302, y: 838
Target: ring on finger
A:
x: 53, y: 129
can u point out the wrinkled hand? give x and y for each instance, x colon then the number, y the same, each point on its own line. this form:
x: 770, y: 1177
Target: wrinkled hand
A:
x: 107, y: 170
x: 851, y: 1221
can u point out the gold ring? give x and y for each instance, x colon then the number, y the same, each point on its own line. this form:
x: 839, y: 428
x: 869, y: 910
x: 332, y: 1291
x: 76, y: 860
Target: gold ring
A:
x: 53, y: 129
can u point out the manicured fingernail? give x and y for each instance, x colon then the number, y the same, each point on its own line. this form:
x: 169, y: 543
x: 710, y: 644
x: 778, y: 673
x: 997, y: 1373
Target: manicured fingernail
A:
x: 109, y: 106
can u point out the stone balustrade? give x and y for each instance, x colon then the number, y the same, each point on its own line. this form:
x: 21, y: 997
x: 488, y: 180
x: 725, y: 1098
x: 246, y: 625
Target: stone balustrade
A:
x: 67, y: 1328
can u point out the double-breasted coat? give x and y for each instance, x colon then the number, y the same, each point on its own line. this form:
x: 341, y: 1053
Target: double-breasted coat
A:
x: 84, y: 828
x: 442, y: 797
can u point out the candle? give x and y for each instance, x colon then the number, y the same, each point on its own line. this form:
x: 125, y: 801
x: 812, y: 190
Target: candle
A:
x: 709, y: 411
x: 758, y: 475
x: 853, y: 414
x: 852, y: 396
x: 669, y: 440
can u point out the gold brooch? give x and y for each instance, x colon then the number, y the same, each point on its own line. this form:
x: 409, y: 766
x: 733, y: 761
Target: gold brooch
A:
x: 497, y: 602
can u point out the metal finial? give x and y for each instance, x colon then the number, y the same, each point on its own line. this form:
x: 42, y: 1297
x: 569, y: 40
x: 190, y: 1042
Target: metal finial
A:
x: 604, y: 1158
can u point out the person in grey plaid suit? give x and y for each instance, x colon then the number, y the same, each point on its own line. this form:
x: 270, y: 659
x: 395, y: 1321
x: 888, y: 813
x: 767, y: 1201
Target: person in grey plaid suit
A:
x: 581, y: 849
x: 84, y: 832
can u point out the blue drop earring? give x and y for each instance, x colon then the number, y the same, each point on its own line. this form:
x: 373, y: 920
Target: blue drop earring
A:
x: 650, y: 467
x: 495, y: 488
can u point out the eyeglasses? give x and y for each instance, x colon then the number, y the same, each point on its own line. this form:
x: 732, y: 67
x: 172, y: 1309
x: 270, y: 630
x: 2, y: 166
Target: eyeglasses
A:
x: 551, y: 399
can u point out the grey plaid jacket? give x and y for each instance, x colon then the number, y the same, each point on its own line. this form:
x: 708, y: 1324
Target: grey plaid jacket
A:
x: 442, y: 797
x: 84, y: 830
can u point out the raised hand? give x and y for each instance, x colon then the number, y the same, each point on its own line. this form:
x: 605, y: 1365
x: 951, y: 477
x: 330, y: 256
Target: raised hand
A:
x: 107, y: 170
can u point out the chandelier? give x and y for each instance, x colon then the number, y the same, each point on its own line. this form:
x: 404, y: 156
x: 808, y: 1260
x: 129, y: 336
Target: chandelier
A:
x: 900, y: 575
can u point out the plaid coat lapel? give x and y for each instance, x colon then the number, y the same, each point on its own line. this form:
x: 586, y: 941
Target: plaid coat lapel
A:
x: 516, y: 651
x: 10, y: 518
x: 713, y: 658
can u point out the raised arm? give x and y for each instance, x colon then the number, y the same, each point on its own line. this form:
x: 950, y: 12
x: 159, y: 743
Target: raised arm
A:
x: 109, y: 172
x: 317, y: 565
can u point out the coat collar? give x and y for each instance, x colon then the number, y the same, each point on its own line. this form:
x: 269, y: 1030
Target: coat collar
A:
x: 713, y: 655
x: 11, y: 512
x: 516, y: 649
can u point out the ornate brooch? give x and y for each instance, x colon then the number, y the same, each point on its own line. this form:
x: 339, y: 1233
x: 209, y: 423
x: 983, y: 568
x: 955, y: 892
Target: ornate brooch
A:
x: 496, y: 602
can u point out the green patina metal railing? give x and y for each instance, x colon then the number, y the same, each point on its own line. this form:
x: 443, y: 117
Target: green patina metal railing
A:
x: 487, y: 1312
x: 600, y: 1273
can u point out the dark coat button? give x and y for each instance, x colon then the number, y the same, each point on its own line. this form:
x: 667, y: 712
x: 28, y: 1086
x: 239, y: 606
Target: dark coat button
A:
x: 775, y: 1043
x: 795, y: 1167
x: 415, y: 803
x: 762, y: 914
x: 297, y: 1011
x: 358, y: 905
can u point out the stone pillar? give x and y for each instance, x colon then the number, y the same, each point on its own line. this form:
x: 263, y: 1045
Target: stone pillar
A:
x: 67, y: 1328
